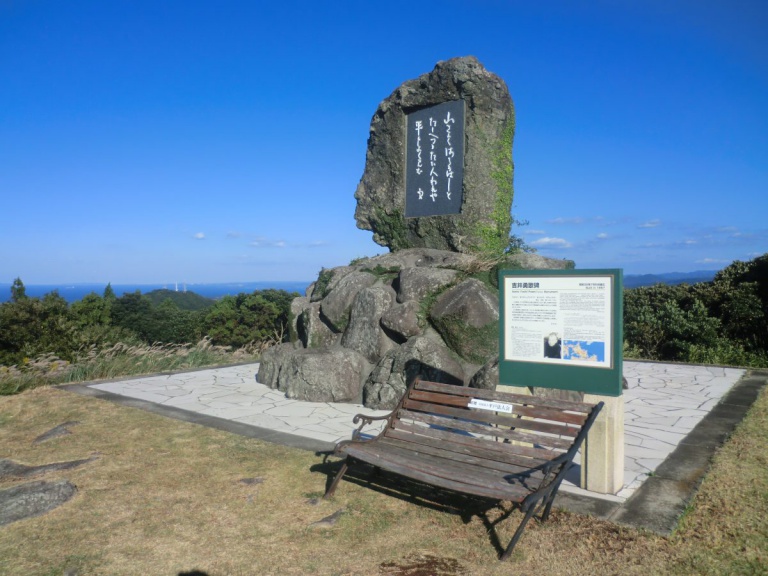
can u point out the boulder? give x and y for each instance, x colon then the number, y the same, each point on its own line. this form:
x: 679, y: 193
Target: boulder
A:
x: 487, y: 377
x: 484, y: 221
x: 271, y: 362
x: 336, y: 305
x: 402, y: 320
x: 417, y: 283
x: 326, y: 281
x: 323, y: 375
x: 312, y: 330
x: 467, y: 318
x: 533, y: 261
x: 364, y: 335
x: 417, y: 258
x: 419, y: 357
x: 298, y: 305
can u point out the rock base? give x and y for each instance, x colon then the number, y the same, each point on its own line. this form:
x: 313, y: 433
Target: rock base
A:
x: 364, y: 332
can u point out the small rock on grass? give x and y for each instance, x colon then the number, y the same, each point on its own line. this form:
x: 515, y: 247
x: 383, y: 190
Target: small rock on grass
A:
x: 251, y: 481
x: 11, y: 469
x: 33, y: 499
x: 328, y: 521
x: 60, y: 430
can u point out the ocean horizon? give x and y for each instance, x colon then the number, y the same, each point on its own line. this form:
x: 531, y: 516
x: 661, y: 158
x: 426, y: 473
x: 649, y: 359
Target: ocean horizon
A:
x: 74, y: 292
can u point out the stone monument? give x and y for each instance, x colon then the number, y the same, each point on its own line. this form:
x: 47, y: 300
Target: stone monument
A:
x: 437, y: 191
x: 473, y: 218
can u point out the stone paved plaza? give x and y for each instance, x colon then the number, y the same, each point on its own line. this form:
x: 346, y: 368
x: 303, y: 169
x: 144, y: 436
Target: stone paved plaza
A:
x: 663, y: 404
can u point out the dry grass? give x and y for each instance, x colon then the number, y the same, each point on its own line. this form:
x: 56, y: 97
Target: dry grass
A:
x: 122, y: 360
x: 165, y: 497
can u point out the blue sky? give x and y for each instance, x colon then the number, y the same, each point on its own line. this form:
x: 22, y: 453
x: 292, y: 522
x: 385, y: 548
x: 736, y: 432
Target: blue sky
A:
x: 223, y: 141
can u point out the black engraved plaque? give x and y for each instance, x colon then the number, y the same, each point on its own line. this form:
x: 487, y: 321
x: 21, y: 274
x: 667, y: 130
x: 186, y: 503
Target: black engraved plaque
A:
x: 434, y: 177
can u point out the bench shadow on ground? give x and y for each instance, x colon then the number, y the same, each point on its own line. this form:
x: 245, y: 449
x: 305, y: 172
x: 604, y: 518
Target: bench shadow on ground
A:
x: 490, y: 512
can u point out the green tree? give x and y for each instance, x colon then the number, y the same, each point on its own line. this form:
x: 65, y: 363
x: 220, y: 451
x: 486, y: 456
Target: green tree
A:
x: 172, y: 324
x: 246, y: 318
x: 91, y: 310
x: 133, y: 312
x: 30, y: 327
x: 18, y: 291
x: 722, y: 321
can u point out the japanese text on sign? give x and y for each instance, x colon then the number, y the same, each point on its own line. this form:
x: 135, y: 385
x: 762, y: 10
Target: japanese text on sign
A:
x: 435, y: 160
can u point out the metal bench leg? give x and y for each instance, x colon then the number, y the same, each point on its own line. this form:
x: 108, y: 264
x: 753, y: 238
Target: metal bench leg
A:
x: 332, y: 487
x: 548, y: 506
x: 518, y: 533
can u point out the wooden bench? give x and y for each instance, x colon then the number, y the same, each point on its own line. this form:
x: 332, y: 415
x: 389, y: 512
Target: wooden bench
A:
x: 491, y: 444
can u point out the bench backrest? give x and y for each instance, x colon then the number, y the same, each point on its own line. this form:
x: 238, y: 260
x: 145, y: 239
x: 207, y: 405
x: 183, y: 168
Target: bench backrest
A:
x: 514, y: 428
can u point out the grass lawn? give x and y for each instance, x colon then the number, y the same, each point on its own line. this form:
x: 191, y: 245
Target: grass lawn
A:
x: 167, y: 497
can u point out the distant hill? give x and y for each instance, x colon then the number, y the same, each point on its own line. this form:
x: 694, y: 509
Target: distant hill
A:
x: 671, y: 278
x: 184, y: 300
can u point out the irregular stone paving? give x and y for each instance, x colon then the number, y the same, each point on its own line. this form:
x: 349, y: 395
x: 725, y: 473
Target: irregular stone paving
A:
x: 662, y: 405
x: 232, y: 393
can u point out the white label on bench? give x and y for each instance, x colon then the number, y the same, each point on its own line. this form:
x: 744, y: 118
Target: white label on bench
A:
x: 486, y: 405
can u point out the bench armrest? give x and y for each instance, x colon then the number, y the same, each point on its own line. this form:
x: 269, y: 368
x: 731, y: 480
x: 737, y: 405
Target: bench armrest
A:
x: 364, y: 420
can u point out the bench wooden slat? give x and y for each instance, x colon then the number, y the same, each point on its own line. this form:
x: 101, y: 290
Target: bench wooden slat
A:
x: 506, y: 467
x: 492, y: 418
x: 507, y: 419
x: 479, y: 451
x: 462, y: 401
x: 500, y: 448
x: 503, y: 396
x: 451, y: 470
x: 413, y: 469
x: 467, y: 463
x: 539, y: 440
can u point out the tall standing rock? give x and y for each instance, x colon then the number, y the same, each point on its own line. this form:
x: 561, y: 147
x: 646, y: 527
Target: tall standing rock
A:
x: 484, y: 221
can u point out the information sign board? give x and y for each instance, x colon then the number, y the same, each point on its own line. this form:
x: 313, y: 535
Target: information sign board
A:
x: 562, y: 329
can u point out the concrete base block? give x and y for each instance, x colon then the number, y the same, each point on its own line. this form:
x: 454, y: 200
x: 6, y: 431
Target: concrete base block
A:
x: 602, y: 463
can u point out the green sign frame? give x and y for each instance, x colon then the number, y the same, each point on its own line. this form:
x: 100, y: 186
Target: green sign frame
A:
x: 562, y: 329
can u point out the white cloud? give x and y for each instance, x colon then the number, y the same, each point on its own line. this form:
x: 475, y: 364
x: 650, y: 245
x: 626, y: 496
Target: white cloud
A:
x: 200, y: 236
x: 535, y: 232
x: 262, y: 242
x: 561, y: 220
x: 650, y: 224
x: 602, y: 236
x: 712, y: 261
x: 548, y: 242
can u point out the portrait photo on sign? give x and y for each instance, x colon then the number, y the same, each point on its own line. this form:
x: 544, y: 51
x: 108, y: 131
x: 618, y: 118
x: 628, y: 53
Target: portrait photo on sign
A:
x: 553, y: 346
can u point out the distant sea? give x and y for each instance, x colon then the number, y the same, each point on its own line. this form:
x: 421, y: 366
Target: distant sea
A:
x: 74, y: 292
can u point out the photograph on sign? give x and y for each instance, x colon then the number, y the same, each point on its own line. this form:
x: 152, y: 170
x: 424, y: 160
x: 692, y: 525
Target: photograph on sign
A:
x: 434, y: 177
x: 559, y: 320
